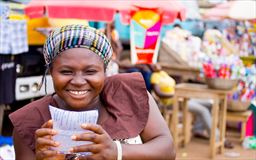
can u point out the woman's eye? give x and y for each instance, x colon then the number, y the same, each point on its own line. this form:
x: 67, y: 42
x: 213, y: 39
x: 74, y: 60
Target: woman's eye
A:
x: 66, y: 72
x: 91, y: 71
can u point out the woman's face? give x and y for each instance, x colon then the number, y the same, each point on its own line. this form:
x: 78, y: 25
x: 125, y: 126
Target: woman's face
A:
x: 78, y: 77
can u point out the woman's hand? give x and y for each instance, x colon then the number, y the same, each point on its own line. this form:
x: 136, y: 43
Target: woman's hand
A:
x: 102, y: 146
x: 44, y: 143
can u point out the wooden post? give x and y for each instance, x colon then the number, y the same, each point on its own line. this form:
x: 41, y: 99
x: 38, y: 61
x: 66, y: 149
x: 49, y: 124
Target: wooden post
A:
x: 175, y: 120
x: 215, y: 110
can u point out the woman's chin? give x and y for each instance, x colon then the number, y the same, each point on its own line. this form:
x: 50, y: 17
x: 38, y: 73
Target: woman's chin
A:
x: 76, y: 107
x: 79, y: 107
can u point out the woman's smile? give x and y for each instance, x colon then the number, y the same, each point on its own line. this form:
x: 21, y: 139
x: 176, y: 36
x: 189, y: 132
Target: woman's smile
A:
x: 78, y: 94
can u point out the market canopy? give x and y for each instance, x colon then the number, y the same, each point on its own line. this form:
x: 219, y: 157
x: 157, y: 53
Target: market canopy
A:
x: 239, y: 10
x: 100, y: 10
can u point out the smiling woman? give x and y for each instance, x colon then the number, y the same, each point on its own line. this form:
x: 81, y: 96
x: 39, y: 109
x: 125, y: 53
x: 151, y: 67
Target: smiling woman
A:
x: 76, y: 57
x: 76, y: 82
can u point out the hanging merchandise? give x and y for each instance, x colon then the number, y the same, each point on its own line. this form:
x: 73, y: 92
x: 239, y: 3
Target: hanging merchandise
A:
x: 145, y: 31
x: 13, y: 37
x: 4, y: 10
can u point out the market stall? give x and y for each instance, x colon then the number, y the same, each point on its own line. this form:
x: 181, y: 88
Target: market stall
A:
x: 145, y: 19
x: 224, y: 57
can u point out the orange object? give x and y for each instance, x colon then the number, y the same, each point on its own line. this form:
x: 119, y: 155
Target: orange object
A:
x: 35, y: 37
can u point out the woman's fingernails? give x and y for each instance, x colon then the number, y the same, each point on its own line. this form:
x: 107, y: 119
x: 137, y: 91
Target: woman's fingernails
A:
x: 84, y: 125
x: 56, y: 144
x: 54, y: 132
x: 73, y: 137
x: 71, y: 150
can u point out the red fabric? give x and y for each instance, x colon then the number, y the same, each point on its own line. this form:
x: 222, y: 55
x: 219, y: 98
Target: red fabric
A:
x: 78, y: 12
x: 35, y: 11
x: 100, y: 10
x: 125, y: 97
x: 249, y: 126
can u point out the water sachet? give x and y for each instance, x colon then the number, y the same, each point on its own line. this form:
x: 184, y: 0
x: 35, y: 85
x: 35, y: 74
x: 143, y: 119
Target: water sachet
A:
x: 68, y: 123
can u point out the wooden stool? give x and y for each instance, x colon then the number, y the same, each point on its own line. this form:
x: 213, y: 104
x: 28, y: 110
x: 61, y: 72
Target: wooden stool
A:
x: 167, y: 112
x: 184, y: 128
x: 187, y: 91
x: 239, y: 117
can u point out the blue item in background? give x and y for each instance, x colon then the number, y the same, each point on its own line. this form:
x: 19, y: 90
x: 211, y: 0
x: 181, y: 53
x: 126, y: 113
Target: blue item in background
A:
x: 122, y: 29
x: 97, y: 25
x: 146, y: 76
x: 6, y: 140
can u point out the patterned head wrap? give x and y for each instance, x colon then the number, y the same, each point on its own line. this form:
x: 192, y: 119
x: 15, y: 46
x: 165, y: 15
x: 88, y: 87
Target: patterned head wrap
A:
x: 77, y: 36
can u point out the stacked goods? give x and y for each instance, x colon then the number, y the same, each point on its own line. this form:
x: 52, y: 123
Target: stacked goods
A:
x: 225, y: 76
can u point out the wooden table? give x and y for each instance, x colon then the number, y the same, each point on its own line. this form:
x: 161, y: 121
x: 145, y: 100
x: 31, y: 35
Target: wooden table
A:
x: 185, y: 91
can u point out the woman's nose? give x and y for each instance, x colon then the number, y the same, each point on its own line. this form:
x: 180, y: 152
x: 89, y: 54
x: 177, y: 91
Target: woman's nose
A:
x: 78, y: 80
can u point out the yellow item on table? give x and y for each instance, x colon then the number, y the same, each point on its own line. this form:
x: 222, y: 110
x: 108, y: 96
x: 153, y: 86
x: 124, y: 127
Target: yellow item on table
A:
x: 166, y: 85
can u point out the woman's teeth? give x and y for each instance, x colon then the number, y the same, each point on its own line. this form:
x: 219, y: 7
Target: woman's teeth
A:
x: 78, y: 92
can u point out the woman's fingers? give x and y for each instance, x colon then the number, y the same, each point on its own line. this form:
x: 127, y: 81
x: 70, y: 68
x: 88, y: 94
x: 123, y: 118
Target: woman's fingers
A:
x: 95, y: 133
x: 93, y: 148
x: 47, y: 142
x: 88, y: 136
x: 93, y: 127
x: 101, y: 145
x: 45, y: 149
x: 44, y: 143
x: 96, y: 151
x: 45, y: 132
x: 47, y: 124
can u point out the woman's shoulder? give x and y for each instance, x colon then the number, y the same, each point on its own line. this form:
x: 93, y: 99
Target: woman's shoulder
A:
x: 31, y: 117
x: 123, y: 85
x: 125, y: 98
x: 37, y: 105
x: 134, y: 78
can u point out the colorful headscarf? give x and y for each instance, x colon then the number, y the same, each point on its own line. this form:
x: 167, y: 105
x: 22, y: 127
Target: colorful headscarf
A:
x: 77, y: 36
